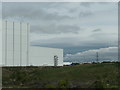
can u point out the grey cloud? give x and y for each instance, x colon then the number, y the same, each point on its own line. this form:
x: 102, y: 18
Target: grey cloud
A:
x: 97, y: 30
x: 86, y: 4
x: 55, y: 29
x: 72, y: 10
x: 104, y: 3
x: 110, y: 53
x: 76, y: 40
x: 56, y: 18
x: 102, y: 35
x: 33, y: 11
x: 0, y: 10
x: 85, y: 14
x: 57, y: 42
x: 89, y: 4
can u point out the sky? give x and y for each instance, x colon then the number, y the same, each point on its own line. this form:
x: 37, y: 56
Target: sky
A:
x: 80, y: 28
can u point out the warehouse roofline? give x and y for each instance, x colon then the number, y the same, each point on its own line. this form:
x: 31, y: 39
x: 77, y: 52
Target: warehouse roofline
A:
x: 46, y: 47
x: 15, y: 21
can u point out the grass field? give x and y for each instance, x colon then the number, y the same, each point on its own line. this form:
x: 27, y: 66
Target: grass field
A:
x: 104, y: 75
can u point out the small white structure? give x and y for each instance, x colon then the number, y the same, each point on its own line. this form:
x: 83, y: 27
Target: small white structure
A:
x: 67, y: 63
x: 41, y: 56
x: 18, y: 52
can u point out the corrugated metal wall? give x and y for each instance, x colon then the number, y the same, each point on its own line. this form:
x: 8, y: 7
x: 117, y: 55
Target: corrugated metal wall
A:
x: 18, y: 52
x: 0, y: 42
x: 15, y: 43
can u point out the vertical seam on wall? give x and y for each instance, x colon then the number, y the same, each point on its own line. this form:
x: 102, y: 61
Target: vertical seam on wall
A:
x: 20, y: 44
x: 6, y: 44
x: 27, y: 44
x: 13, y: 43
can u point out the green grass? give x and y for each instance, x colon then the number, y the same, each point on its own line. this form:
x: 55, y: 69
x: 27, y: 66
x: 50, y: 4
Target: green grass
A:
x: 83, y: 76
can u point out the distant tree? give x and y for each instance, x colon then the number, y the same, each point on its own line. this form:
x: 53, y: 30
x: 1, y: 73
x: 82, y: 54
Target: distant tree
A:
x: 75, y: 64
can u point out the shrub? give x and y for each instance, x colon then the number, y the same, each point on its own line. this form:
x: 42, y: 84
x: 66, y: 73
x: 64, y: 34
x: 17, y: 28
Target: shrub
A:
x: 63, y: 84
x: 49, y: 86
x: 99, y: 84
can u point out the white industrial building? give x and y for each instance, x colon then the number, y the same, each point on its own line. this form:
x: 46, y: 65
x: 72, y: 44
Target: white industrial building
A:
x: 16, y: 49
x: 0, y: 42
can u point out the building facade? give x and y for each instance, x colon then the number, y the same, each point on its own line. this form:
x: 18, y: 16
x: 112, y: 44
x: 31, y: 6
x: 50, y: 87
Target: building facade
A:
x: 0, y: 43
x: 16, y: 49
x: 42, y: 56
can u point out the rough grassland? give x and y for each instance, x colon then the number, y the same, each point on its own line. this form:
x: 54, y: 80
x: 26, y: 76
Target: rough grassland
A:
x: 103, y: 75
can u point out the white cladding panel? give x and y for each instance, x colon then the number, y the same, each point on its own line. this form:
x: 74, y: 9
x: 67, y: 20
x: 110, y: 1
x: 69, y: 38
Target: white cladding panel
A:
x: 0, y: 42
x: 14, y: 43
x: 41, y: 56
x: 3, y: 43
x: 17, y: 47
x: 24, y: 44
x: 9, y: 43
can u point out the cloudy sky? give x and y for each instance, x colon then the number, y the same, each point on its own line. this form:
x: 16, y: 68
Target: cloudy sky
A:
x: 80, y: 28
